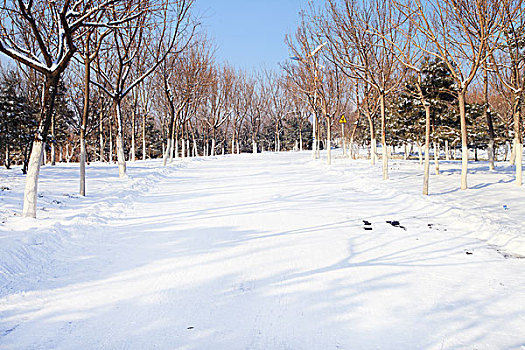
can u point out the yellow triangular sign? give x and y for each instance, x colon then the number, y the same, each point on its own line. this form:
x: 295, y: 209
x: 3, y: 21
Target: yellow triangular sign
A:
x: 342, y: 120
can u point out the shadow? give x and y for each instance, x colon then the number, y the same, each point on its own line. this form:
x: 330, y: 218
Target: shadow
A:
x: 279, y: 265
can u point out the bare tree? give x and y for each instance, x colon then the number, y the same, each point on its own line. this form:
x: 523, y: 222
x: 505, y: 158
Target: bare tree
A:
x: 459, y: 32
x: 508, y: 63
x: 361, y: 37
x: 43, y: 36
x: 165, y: 26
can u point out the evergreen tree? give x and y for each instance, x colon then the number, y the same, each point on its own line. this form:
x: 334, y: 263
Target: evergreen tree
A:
x: 17, y: 122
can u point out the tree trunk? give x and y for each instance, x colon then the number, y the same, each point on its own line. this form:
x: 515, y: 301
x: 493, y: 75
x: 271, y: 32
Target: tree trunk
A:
x: 343, y: 139
x: 488, y: 117
x: 314, y: 135
x: 31, y: 187
x: 53, y: 159
x: 176, y: 142
x: 43, y: 159
x: 420, y: 151
x: 233, y: 142
x: 121, y: 157
x: 328, y: 142
x: 132, y: 152
x: 7, y: 158
x: 85, y: 113
x: 254, y: 146
x: 426, y: 175
x: 447, y: 151
x: 383, y: 137
x: 518, y: 145
x: 213, y: 146
x: 436, y: 157
x: 166, y: 152
x: 82, y: 166
x: 101, y: 137
x: 144, y: 137
x: 464, y: 140
x: 110, y: 159
x: 372, y: 139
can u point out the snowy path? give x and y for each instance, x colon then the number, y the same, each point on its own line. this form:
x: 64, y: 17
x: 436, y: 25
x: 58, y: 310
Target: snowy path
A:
x: 271, y: 253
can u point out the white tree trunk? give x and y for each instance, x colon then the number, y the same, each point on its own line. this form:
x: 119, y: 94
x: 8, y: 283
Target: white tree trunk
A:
x: 238, y: 147
x: 491, y: 154
x: 183, y: 144
x: 53, y: 159
x: 7, y: 160
x: 447, y: 151
x: 31, y: 187
x: 188, y: 147
x: 385, y: 161
x: 171, y: 150
x: 82, y: 167
x: 165, y: 152
x: 519, y: 161
x: 132, y: 155
x: 176, y: 143
x: 328, y: 143
x: 110, y: 144
x: 373, y: 150
x: 512, y: 160
x: 254, y: 146
x: 121, y: 157
x: 144, y: 137
x: 101, y: 138
x: 213, y: 147
x: 464, y: 141
x: 436, y: 157
x: 195, y: 150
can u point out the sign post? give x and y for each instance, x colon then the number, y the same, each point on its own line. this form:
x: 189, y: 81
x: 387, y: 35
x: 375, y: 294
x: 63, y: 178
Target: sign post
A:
x: 342, y: 121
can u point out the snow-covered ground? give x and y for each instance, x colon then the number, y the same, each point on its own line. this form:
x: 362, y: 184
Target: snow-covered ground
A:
x: 264, y: 251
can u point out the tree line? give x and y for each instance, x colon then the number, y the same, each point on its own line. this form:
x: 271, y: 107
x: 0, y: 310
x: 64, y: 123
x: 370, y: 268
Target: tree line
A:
x: 115, y: 80
x: 448, y: 73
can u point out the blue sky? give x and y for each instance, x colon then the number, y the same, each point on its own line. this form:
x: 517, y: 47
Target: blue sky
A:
x: 249, y: 34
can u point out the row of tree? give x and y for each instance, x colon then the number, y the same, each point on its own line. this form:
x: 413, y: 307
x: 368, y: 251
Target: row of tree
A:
x: 126, y: 79
x: 451, y: 70
x: 91, y: 77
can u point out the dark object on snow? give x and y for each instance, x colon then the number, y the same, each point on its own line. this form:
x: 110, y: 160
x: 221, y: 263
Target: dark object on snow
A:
x: 468, y: 253
x: 190, y: 327
x: 367, y: 223
x: 395, y: 223
x: 368, y: 228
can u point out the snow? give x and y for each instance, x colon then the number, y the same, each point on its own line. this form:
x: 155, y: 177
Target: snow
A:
x: 263, y: 251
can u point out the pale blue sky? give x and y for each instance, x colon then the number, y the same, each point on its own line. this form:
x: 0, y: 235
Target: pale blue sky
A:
x: 249, y: 34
